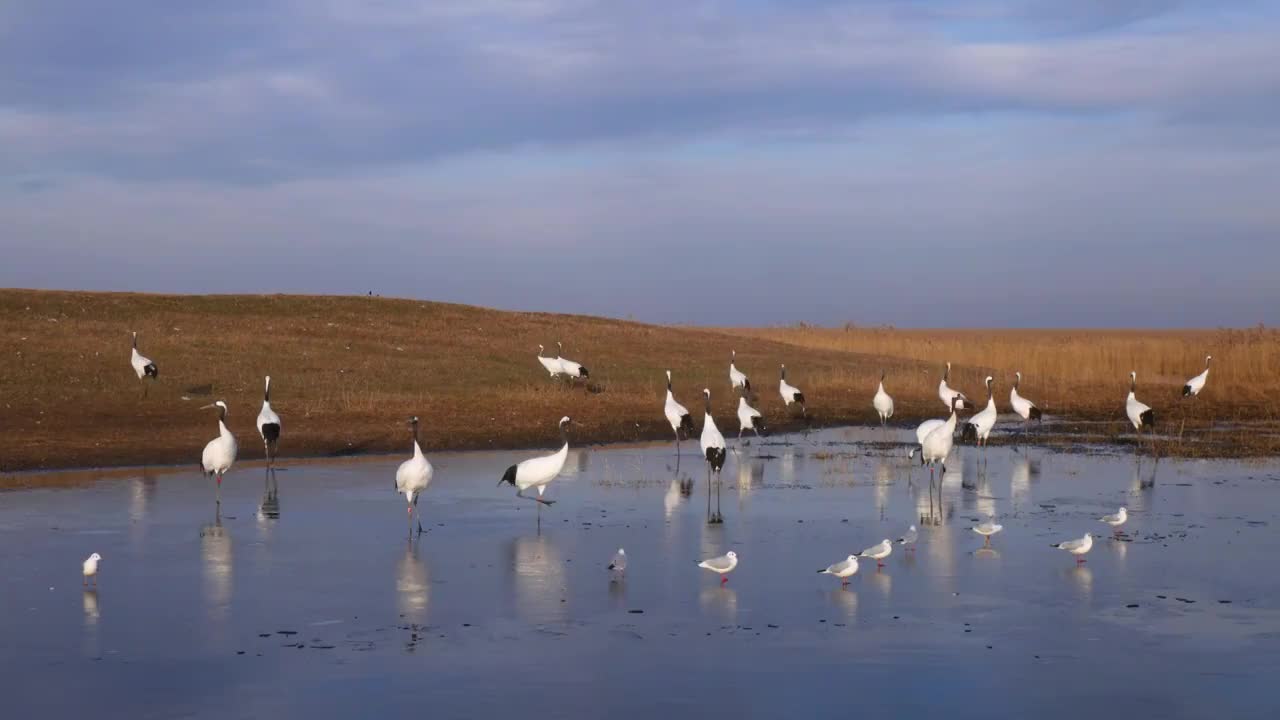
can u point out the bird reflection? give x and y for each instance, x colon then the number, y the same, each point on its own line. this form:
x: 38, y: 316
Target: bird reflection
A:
x: 791, y: 463
x: 269, y: 509
x: 90, y: 597
x: 750, y: 476
x: 413, y: 584
x: 845, y: 600
x: 721, y: 601
x: 671, y: 500
x: 1024, y: 469
x: 142, y: 493
x: 1082, y: 577
x: 882, y: 582
x: 987, y: 553
x: 1120, y: 549
x: 883, y: 482
x: 215, y: 551
x: 538, y: 573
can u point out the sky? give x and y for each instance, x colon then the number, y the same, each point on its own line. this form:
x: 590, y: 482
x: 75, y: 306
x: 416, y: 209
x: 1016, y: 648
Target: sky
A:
x: 925, y: 163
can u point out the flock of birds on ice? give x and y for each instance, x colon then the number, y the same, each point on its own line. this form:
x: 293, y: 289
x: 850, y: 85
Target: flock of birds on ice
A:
x: 935, y: 440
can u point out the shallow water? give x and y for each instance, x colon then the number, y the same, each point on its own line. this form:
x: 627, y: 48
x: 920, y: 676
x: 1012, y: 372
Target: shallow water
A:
x: 307, y: 600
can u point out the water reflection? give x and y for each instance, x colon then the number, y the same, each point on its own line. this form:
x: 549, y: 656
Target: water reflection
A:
x: 720, y: 601
x: 750, y: 476
x: 538, y: 573
x: 413, y: 584
x: 883, y: 478
x: 986, y: 553
x: 671, y: 500
x: 790, y: 464
x: 269, y: 508
x: 1081, y: 578
x: 881, y: 581
x: 1023, y: 471
x: 845, y: 601
x: 91, y: 614
x: 215, y: 551
x: 142, y: 493
x: 576, y: 463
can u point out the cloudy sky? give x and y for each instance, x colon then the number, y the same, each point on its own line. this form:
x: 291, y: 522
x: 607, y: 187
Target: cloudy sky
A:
x: 925, y: 163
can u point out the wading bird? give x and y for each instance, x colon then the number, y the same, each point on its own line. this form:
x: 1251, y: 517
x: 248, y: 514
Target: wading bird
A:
x: 878, y: 552
x: 678, y: 416
x: 220, y: 453
x: 1196, y: 384
x: 987, y: 529
x: 937, y: 444
x: 790, y: 393
x: 569, y: 367
x: 737, y: 378
x: 268, y: 425
x: 978, y: 428
x: 749, y: 418
x: 413, y: 476
x: 722, y: 565
x: 1140, y: 414
x: 947, y: 393
x: 713, y: 449
x: 619, y: 564
x: 922, y: 432
x: 1025, y: 409
x: 540, y: 471
x: 909, y: 539
x: 844, y: 569
x: 142, y: 366
x: 550, y: 364
x: 1116, y: 520
x: 882, y: 402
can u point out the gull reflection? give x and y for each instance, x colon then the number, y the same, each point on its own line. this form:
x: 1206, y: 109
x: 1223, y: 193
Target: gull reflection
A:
x: 413, y: 584
x: 881, y: 582
x: 1082, y: 578
x: 1120, y: 549
x: 538, y: 573
x: 987, y: 553
x: 91, y: 614
x: 215, y: 551
x: 845, y: 601
x: 720, y: 601
x: 883, y: 478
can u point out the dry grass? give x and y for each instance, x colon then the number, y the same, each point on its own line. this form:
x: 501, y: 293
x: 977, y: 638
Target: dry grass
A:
x: 347, y: 372
x: 1081, y: 373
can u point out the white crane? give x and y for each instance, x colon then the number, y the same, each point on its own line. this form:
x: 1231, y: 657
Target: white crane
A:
x: 219, y: 453
x: 978, y: 428
x: 569, y: 367
x: 713, y: 449
x: 414, y: 475
x: 143, y: 366
x: 749, y: 418
x: 678, y: 416
x: 1196, y: 384
x: 1140, y: 414
x: 947, y: 393
x: 937, y: 444
x: 550, y: 364
x: 737, y: 378
x: 790, y: 393
x: 540, y: 471
x: 1025, y: 409
x: 922, y: 432
x: 268, y: 425
x: 882, y: 402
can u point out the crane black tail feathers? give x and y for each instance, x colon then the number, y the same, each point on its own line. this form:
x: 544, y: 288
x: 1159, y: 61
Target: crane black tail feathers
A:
x: 1186, y: 391
x: 969, y: 433
x: 746, y: 385
x: 151, y: 371
x: 1148, y: 417
x: 271, y: 432
x: 509, y: 476
x: 582, y: 372
x: 1036, y: 413
x: 799, y: 397
x: 686, y: 424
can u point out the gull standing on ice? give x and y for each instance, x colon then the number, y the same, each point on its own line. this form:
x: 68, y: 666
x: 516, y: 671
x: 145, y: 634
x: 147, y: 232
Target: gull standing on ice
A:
x: 1116, y: 520
x: 619, y: 564
x: 90, y: 569
x: 844, y: 569
x: 987, y: 529
x: 722, y: 565
x: 878, y: 552
x: 909, y: 538
x: 1079, y: 547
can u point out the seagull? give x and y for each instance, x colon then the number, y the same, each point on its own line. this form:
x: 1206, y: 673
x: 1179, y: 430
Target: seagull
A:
x: 220, y: 452
x: 677, y: 415
x: 569, y: 367
x: 946, y: 393
x: 414, y: 475
x: 987, y: 529
x: 550, y: 364
x: 1079, y: 547
x: 1025, y: 409
x: 619, y: 564
x: 722, y: 565
x: 268, y: 425
x: 909, y: 538
x: 90, y: 569
x: 882, y: 402
x: 712, y: 443
x: 878, y: 552
x: 1139, y: 413
x: 142, y: 365
x: 978, y: 428
x: 844, y: 569
x: 538, y: 472
x: 1116, y: 520
x: 1196, y: 384
x: 749, y: 418
x: 737, y: 378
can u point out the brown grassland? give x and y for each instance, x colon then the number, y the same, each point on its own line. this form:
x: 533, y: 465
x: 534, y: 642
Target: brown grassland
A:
x: 348, y: 371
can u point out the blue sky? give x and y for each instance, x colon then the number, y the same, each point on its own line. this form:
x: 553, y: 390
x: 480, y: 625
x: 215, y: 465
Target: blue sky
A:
x: 988, y: 163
